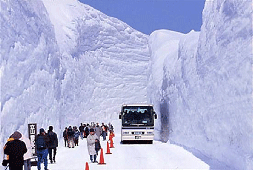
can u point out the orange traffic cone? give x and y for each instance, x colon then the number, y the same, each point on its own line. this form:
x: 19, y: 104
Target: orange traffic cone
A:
x: 111, y: 143
x: 108, y: 149
x: 87, y: 166
x: 101, y: 162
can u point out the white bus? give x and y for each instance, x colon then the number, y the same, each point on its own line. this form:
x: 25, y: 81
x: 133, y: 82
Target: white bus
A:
x: 137, y: 122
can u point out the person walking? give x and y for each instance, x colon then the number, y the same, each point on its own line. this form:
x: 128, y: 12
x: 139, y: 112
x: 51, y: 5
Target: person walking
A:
x: 65, y: 136
x: 71, y: 137
x: 76, y: 136
x: 16, y: 150
x: 86, y: 130
x: 28, y: 155
x: 41, y: 143
x: 81, y: 129
x: 97, y: 146
x: 110, y: 127
x: 91, y: 139
x: 98, y: 130
x: 53, y: 144
x: 104, y: 131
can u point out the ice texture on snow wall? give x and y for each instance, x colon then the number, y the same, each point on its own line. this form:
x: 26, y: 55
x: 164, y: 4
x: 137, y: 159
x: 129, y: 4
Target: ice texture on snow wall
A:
x: 205, y: 95
x: 104, y: 60
x: 66, y: 66
x: 29, y: 68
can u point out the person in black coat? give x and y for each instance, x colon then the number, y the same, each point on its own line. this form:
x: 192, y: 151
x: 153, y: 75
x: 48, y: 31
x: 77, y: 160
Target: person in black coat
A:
x: 65, y: 136
x: 16, y: 150
x: 71, y: 137
x: 81, y: 129
x: 86, y: 130
x: 53, y: 143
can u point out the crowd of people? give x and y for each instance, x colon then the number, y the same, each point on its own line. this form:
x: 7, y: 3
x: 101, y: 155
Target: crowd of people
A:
x: 18, y: 148
x: 71, y: 135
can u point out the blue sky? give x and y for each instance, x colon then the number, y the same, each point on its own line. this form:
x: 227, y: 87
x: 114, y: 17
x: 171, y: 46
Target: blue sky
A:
x: 149, y: 15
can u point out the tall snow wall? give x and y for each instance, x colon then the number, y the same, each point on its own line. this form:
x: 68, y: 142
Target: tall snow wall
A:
x: 64, y: 63
x: 204, y: 97
x: 30, y: 69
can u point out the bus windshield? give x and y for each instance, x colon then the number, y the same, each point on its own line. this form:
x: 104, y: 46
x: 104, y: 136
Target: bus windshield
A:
x: 137, y: 116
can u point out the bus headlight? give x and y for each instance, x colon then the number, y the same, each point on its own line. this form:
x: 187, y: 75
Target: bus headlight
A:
x: 125, y: 133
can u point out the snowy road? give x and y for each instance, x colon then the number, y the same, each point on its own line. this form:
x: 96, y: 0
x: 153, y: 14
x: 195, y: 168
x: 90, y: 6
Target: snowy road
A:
x: 128, y: 156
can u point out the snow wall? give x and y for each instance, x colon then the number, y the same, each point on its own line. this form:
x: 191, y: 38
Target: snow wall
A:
x: 204, y: 96
x: 64, y: 63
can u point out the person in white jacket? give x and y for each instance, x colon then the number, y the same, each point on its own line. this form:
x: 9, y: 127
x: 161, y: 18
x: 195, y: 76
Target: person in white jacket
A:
x: 28, y: 155
x: 91, y: 139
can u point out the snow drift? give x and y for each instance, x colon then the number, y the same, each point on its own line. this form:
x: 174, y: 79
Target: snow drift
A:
x: 205, y: 94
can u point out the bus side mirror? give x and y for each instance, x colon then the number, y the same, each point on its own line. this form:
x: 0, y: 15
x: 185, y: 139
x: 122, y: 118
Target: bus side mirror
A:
x: 119, y: 116
x: 155, y: 115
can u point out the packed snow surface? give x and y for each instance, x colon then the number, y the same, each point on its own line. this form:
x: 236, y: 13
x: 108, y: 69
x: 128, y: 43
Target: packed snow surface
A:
x: 127, y: 156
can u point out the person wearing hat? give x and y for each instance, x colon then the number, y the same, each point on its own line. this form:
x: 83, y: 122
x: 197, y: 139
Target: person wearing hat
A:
x: 41, y: 143
x: 16, y: 150
x: 91, y: 139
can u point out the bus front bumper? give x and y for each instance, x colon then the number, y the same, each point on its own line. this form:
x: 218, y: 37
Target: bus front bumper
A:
x: 137, y: 137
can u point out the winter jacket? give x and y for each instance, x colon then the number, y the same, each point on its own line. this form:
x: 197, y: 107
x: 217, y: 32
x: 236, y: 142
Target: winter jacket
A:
x: 28, y: 154
x: 97, y: 145
x: 70, y: 133
x: 6, y: 157
x: 16, y: 150
x: 87, y: 131
x: 53, y: 143
x: 46, y: 139
x: 110, y: 128
x: 65, y: 134
x: 104, y: 129
x: 81, y: 128
x: 91, y: 144
x: 77, y: 134
x: 98, y: 131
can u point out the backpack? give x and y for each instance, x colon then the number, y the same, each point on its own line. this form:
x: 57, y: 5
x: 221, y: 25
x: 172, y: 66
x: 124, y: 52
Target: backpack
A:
x: 40, y: 143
